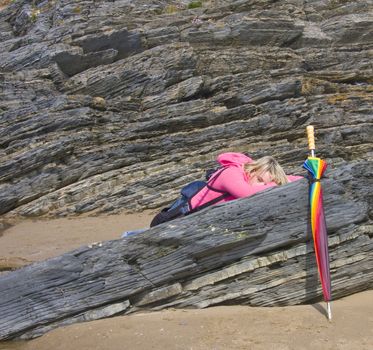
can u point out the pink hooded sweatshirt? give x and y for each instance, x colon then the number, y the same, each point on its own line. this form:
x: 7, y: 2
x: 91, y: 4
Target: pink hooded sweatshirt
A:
x: 232, y: 180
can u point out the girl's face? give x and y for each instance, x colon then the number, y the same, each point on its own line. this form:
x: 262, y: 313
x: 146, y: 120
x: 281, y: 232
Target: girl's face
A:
x: 260, y: 178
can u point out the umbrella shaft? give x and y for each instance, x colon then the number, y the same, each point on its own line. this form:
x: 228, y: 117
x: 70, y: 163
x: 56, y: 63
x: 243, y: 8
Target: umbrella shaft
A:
x: 312, y: 153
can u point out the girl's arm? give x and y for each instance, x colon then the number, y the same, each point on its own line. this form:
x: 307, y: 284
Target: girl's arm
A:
x: 292, y: 178
x: 233, y: 181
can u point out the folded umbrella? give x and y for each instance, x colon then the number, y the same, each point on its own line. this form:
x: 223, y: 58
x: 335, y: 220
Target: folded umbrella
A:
x: 316, y: 168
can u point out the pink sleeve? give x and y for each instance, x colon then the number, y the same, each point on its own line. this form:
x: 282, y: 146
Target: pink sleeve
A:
x: 233, y: 181
x: 292, y: 178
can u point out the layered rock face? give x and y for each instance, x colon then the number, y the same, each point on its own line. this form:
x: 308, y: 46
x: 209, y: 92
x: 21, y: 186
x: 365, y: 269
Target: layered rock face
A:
x: 110, y: 106
x: 242, y: 252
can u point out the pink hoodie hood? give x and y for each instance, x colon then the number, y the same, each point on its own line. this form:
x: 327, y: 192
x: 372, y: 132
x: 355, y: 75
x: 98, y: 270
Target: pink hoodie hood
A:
x: 233, y: 159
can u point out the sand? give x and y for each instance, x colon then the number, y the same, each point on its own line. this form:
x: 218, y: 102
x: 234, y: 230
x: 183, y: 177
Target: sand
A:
x: 224, y: 327
x: 35, y: 240
x: 4, y: 4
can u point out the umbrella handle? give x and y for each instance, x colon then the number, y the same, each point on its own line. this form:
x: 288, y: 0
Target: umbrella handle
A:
x: 311, y: 139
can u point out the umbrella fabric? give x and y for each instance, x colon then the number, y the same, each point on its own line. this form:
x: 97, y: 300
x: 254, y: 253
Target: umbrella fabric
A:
x: 316, y: 168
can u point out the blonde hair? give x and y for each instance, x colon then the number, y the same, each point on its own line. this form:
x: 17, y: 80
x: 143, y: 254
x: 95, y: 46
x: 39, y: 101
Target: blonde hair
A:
x: 270, y: 165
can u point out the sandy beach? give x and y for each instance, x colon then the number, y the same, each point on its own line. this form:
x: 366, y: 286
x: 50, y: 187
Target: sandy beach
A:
x: 224, y: 327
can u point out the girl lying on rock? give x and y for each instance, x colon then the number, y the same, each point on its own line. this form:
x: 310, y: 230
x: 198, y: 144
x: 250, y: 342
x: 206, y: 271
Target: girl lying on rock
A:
x: 238, y: 176
x: 241, y: 177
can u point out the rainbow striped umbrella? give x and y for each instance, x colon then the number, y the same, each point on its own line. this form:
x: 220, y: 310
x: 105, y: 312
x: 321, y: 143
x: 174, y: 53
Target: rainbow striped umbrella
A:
x: 316, y: 168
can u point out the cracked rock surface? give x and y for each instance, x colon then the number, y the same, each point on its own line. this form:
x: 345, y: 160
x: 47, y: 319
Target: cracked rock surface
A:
x: 242, y: 252
x: 113, y: 106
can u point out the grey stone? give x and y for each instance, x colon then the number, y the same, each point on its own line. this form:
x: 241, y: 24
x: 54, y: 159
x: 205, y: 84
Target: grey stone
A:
x: 240, y: 252
x: 179, y: 86
x: 114, y: 106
